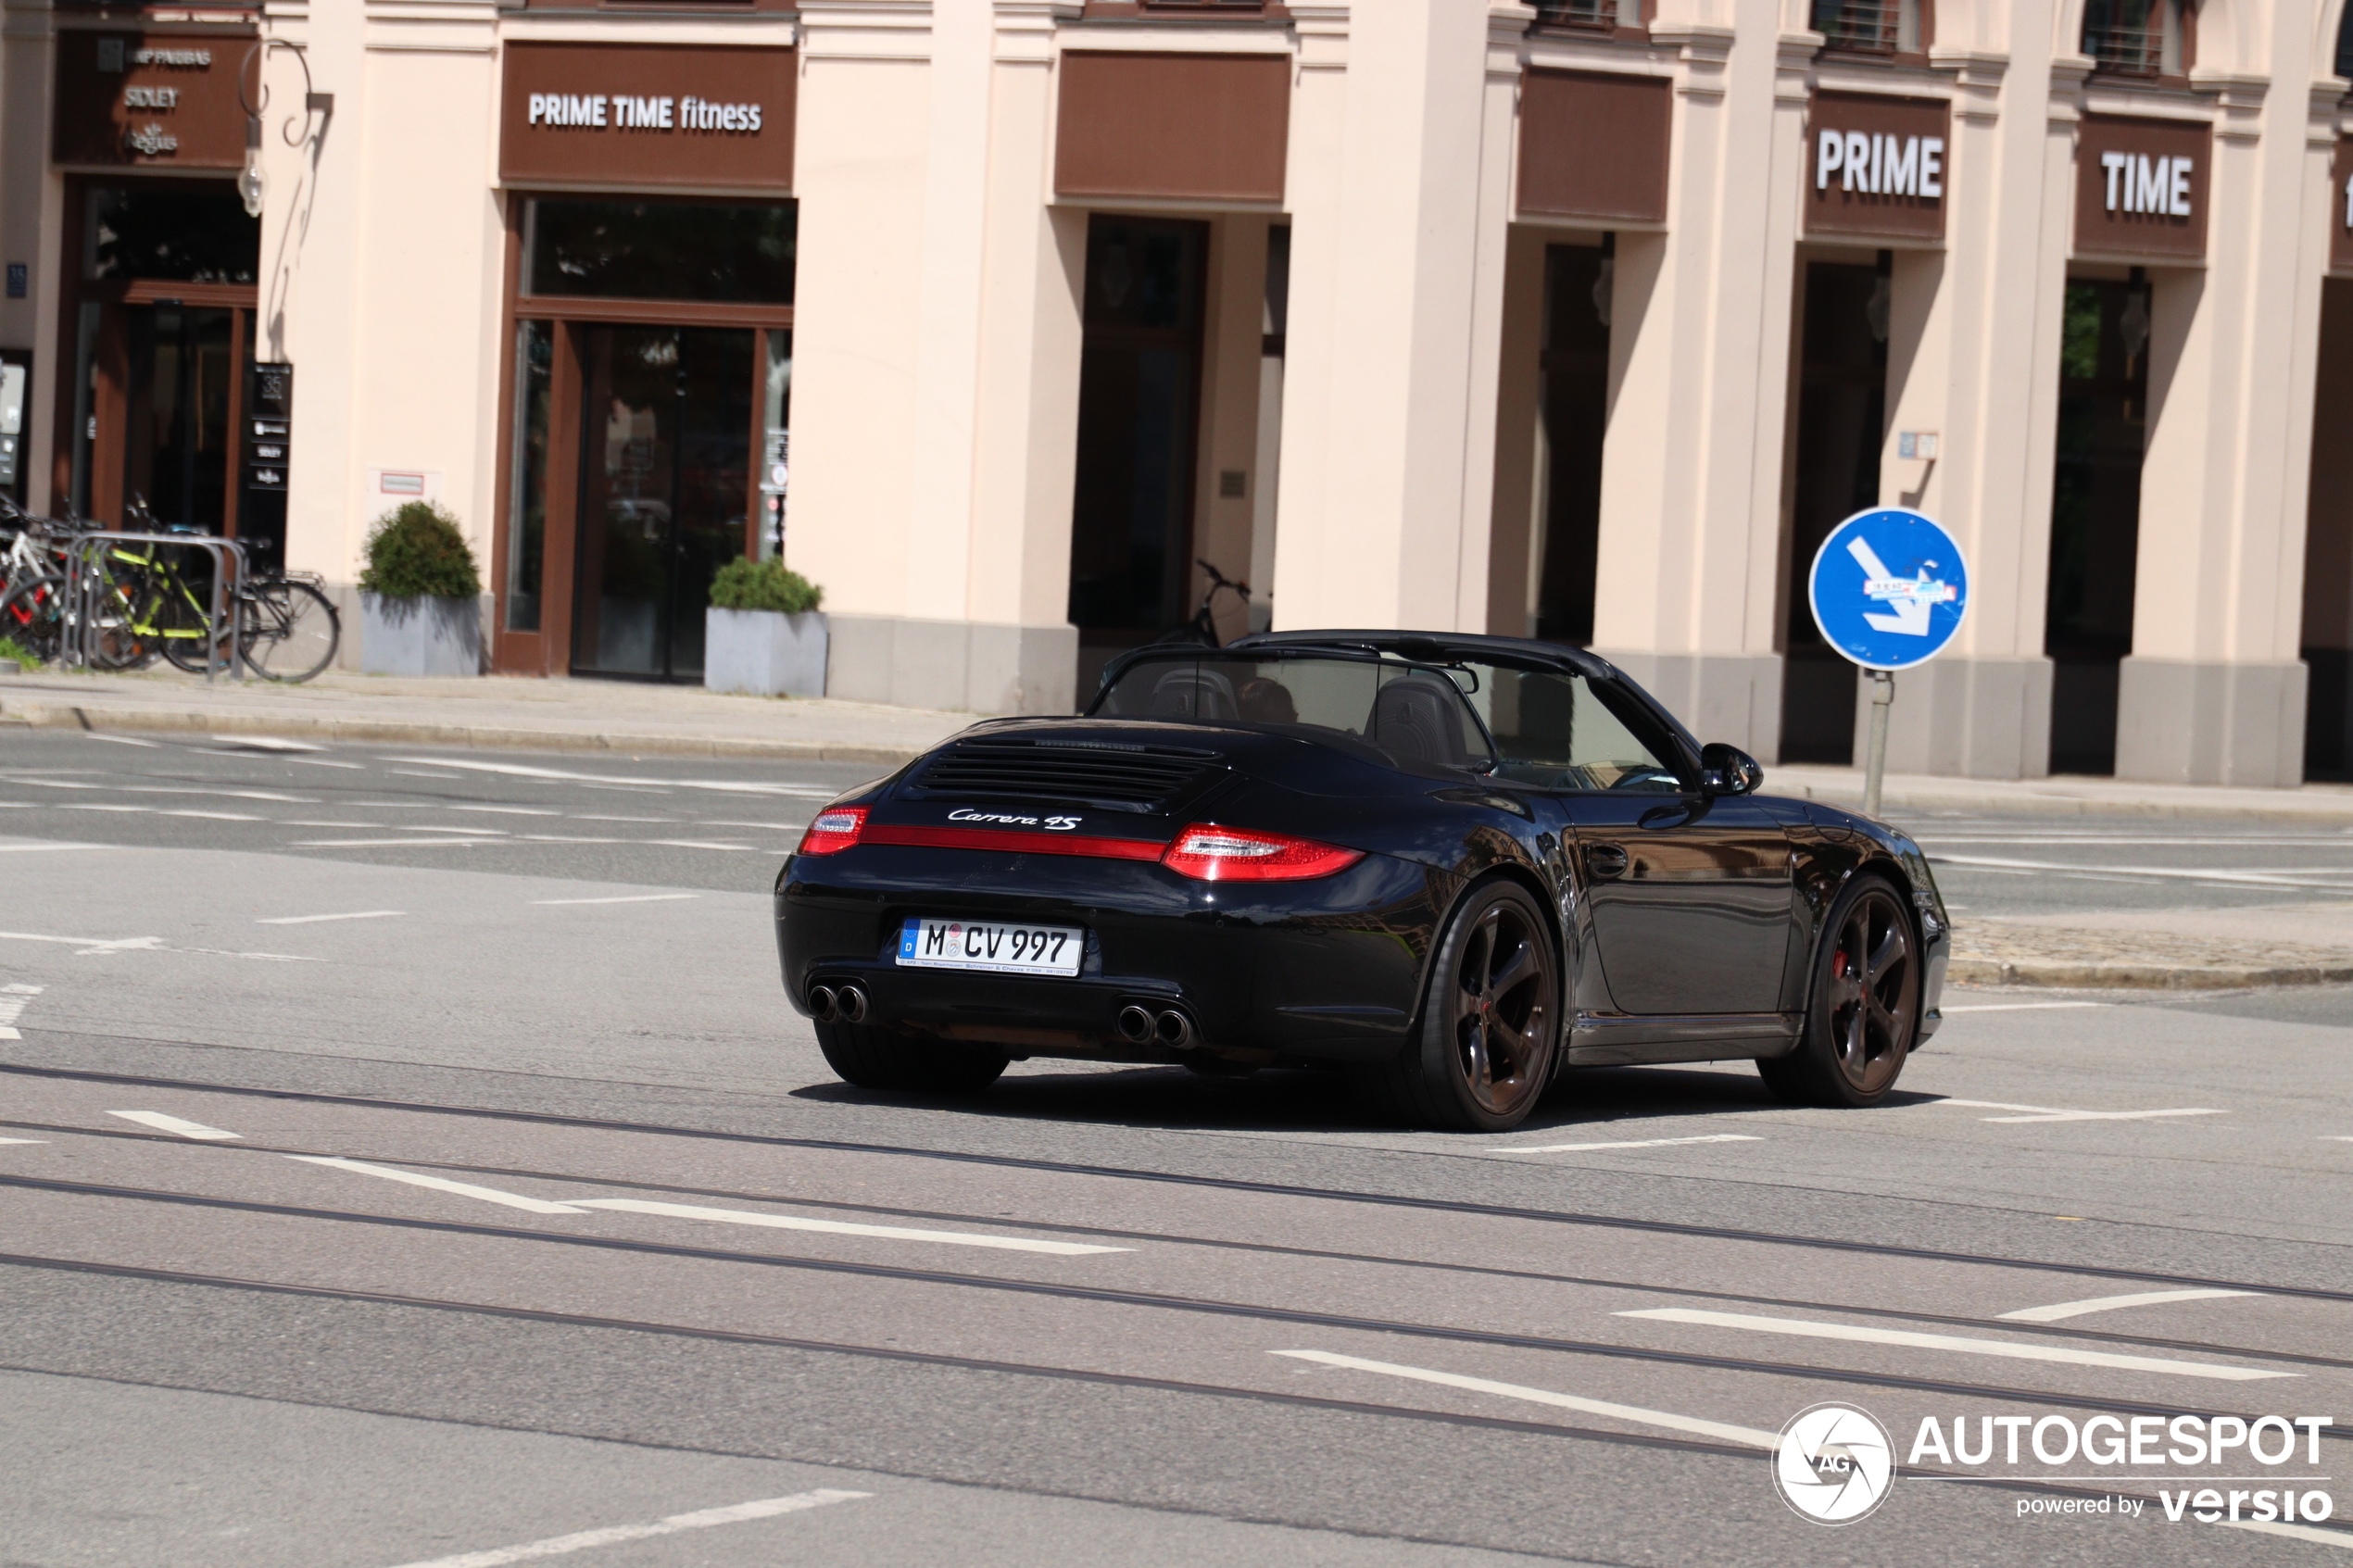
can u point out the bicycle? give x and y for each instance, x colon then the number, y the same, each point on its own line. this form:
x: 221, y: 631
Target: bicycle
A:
x: 32, y: 579
x: 1203, y: 627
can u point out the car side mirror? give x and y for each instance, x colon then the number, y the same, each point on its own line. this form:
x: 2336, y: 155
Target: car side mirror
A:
x: 1726, y: 770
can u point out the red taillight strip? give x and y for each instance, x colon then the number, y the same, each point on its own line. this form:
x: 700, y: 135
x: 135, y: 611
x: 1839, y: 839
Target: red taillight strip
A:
x: 1016, y: 840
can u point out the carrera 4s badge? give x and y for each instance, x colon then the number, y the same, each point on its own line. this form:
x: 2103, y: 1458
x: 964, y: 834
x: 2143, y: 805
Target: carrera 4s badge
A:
x: 1005, y: 819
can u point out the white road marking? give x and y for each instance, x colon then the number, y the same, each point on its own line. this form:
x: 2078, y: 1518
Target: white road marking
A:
x: 270, y: 795
x: 456, y: 827
x: 313, y: 920
x: 846, y: 1227
x: 186, y: 1129
x: 440, y: 1183
x: 1750, y: 1435
x: 90, y: 805
x: 300, y: 822
x: 729, y: 786
x: 23, y: 1140
x: 565, y: 838
x: 2056, y: 1311
x: 218, y: 816
x: 2046, y: 1113
x: 2341, y: 1539
x: 265, y: 743
x: 57, y: 844
x: 625, y: 898
x: 2335, y: 1137
x: 2248, y: 879
x: 87, y: 947
x: 387, y: 843
x: 556, y: 1546
x: 413, y: 773
x: 1805, y: 1329
x: 122, y: 740
x: 583, y: 816
x: 775, y: 827
x: 2019, y: 1007
x: 695, y: 843
x: 513, y: 810
x: 1640, y: 1143
x: 12, y: 1001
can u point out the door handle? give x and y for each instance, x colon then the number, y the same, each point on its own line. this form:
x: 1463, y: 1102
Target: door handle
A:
x: 1605, y: 860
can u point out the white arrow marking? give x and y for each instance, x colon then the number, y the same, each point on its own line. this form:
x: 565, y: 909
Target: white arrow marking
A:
x: 12, y: 1001
x: 1910, y: 618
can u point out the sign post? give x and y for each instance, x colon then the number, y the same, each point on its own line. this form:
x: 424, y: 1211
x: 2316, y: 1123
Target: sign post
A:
x: 1888, y: 589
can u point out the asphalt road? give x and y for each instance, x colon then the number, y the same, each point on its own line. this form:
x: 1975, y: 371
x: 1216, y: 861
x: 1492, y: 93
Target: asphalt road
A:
x: 409, y: 1159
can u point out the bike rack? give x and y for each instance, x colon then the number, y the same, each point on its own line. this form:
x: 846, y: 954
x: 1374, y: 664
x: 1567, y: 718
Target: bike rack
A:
x: 228, y: 588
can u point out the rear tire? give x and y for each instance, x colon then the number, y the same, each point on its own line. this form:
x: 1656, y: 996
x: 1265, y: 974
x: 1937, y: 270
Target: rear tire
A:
x: 31, y: 617
x: 1863, y: 1011
x: 877, y: 1059
x: 1491, y: 1023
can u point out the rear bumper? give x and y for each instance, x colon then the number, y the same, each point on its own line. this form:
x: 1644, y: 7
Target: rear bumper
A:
x: 1329, y: 970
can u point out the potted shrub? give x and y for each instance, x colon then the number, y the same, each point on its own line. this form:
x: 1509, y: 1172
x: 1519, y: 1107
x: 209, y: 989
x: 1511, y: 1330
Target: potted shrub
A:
x: 420, y: 611
x: 762, y: 633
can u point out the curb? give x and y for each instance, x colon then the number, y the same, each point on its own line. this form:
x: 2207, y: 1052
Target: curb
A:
x: 48, y: 715
x: 2120, y: 976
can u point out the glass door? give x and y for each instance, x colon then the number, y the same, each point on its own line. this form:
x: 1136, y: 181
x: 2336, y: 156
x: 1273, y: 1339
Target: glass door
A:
x: 665, y: 480
x: 178, y: 443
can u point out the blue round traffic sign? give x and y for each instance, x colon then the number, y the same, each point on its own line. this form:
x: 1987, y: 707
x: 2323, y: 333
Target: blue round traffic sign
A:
x: 1889, y: 588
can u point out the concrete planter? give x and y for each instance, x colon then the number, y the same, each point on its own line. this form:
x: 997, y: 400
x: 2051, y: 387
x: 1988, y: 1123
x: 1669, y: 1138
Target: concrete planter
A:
x: 420, y: 636
x: 764, y: 652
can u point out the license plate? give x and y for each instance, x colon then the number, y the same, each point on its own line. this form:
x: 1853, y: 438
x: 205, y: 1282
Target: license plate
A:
x: 996, y: 946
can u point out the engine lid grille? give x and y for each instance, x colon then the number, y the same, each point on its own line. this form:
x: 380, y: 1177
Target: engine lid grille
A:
x: 1118, y: 774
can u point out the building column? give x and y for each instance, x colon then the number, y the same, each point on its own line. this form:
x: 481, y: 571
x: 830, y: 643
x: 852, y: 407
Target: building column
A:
x: 1699, y: 343
x: 2214, y: 690
x: 1400, y: 166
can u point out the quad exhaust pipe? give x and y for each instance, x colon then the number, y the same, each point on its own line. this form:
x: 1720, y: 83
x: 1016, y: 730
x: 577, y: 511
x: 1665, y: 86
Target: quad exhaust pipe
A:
x: 845, y: 1004
x: 1139, y: 1025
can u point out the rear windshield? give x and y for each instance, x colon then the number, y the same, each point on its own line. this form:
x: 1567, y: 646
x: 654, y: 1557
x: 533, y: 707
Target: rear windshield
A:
x: 1535, y: 726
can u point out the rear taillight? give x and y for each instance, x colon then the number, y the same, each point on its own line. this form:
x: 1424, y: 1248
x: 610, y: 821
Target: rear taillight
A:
x: 837, y: 827
x: 1209, y: 853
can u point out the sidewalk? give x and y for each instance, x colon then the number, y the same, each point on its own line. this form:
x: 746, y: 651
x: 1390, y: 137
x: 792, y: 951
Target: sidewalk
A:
x: 625, y: 717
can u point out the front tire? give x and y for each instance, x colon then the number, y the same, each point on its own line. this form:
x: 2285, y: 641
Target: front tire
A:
x: 877, y: 1059
x: 1489, y: 1023
x: 1864, y: 1010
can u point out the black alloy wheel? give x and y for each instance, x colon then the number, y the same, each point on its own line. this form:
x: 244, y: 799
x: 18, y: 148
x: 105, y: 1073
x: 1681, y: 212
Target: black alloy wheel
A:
x: 1865, y: 1003
x: 879, y: 1058
x: 1490, y: 1023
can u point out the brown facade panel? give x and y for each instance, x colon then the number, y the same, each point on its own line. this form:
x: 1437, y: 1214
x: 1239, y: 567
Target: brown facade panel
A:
x: 153, y: 98
x: 636, y: 116
x: 1593, y: 146
x: 1173, y: 127
x: 1876, y: 166
x: 2341, y: 209
x: 2141, y: 188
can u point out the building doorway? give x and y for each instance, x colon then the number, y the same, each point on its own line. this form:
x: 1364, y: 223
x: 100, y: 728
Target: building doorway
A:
x: 1841, y: 425
x: 161, y: 356
x: 1575, y: 366
x: 2095, y: 514
x: 2327, y: 639
x: 1138, y: 422
x: 651, y: 389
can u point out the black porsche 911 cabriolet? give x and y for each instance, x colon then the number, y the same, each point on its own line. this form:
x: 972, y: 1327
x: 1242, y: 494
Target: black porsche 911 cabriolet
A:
x: 1452, y: 864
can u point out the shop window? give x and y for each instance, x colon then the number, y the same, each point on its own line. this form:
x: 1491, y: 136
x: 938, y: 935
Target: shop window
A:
x: 2095, y: 515
x: 1872, y: 27
x: 2143, y: 38
x: 720, y: 252
x: 1578, y: 281
x: 200, y: 234
x: 527, y: 530
x: 1841, y: 424
x: 1138, y: 406
x: 1592, y: 16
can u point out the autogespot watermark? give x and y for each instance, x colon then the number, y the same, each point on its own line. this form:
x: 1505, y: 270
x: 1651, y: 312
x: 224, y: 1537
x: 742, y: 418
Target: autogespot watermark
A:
x: 1835, y: 1464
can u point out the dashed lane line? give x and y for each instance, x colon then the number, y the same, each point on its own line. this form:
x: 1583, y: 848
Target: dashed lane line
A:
x: 2060, y: 1310
x: 13, y: 999
x: 440, y: 1183
x: 56, y: 844
x: 392, y: 843
x: 724, y: 786
x: 1749, y: 1436
x: 1639, y: 1143
x: 2300, y: 880
x: 314, y: 919
x: 557, y: 1546
x: 186, y: 1129
x: 624, y: 898
x: 2050, y: 1113
x: 2017, y: 1007
x: 23, y: 1140
x: 1805, y: 1329
x: 846, y: 1227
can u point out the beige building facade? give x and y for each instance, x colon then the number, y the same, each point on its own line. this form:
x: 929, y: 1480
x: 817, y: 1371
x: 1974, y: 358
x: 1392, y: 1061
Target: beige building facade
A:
x: 996, y: 318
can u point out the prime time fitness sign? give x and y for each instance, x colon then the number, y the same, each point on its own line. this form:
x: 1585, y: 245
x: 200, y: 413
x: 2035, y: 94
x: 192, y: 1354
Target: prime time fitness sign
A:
x: 2140, y: 188
x: 1875, y: 167
x: 633, y: 116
